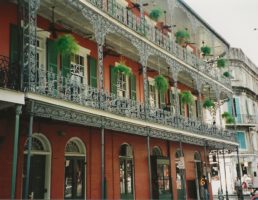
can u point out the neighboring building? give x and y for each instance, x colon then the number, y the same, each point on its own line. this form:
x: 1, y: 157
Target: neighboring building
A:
x: 73, y: 127
x: 245, y: 86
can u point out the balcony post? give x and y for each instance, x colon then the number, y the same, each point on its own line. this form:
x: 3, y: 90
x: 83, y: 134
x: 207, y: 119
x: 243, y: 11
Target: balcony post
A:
x: 100, y: 34
x: 225, y: 173
x: 15, y: 149
x: 200, y: 104
x: 143, y: 61
x: 29, y: 17
x: 219, y: 107
x: 176, y: 98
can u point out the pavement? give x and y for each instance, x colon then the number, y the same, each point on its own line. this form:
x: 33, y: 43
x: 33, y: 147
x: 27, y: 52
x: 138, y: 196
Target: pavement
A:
x: 232, y: 197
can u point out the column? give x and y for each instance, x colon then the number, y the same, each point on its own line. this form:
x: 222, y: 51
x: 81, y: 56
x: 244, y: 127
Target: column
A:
x: 15, y: 149
x: 177, y: 106
x: 200, y: 114
x: 226, y: 185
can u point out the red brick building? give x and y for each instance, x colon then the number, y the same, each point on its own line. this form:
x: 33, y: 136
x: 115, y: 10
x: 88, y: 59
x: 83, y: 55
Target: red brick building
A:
x: 71, y: 126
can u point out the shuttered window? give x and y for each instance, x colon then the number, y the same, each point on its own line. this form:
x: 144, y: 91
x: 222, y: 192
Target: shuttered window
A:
x: 241, y: 140
x: 92, y: 62
x: 113, y: 81
x: 14, y: 44
x: 133, y: 87
x: 52, y: 54
x: 162, y: 100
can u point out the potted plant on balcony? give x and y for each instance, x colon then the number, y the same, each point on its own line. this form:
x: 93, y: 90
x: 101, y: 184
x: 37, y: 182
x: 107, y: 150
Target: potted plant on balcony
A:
x: 226, y: 74
x: 182, y: 37
x: 208, y: 103
x: 221, y: 63
x: 228, y: 117
x: 66, y: 44
x: 161, y: 83
x: 155, y: 14
x: 187, y: 97
x: 206, y: 50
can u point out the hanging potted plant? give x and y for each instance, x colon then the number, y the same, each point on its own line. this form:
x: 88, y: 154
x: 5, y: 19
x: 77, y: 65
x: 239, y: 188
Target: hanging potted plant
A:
x: 182, y: 37
x: 186, y: 97
x: 206, y: 50
x: 122, y: 68
x: 208, y: 103
x: 161, y: 83
x: 155, y: 14
x: 66, y: 44
x: 226, y: 115
x: 221, y: 63
x: 226, y: 74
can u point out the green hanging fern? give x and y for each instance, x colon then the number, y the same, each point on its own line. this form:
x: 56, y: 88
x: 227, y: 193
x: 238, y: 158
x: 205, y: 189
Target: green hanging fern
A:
x: 226, y: 115
x: 221, y: 63
x: 66, y: 44
x: 123, y: 69
x: 208, y: 103
x: 206, y: 50
x: 226, y: 74
x: 187, y: 97
x: 161, y: 83
x: 182, y: 36
x: 155, y: 14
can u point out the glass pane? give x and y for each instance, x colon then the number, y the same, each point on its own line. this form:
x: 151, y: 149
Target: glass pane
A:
x: 122, y: 177
x: 79, y: 178
x: 68, y: 178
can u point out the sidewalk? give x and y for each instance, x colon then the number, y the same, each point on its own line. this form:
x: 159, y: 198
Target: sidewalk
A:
x: 232, y: 197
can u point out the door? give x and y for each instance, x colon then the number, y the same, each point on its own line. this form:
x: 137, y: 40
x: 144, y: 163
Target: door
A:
x: 126, y: 179
x: 37, y: 176
x: 74, y: 178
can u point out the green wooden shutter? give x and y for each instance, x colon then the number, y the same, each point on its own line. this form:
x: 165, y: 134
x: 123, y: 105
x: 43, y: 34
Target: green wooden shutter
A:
x: 162, y: 100
x: 238, y: 110
x: 113, y: 80
x: 66, y: 65
x: 14, y: 44
x: 133, y: 87
x: 241, y: 140
x: 93, y: 72
x: 230, y: 106
x: 52, y: 54
x: 172, y: 101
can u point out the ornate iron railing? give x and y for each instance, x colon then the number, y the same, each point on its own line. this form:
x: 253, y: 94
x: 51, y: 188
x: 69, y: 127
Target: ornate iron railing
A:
x: 164, y: 40
x: 72, y: 89
x: 246, y: 119
x: 9, y: 74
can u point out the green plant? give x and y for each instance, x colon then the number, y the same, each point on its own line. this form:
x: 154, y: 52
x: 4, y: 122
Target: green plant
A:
x: 206, y: 50
x: 155, y: 14
x: 182, y: 36
x: 226, y: 115
x: 66, y: 44
x: 226, y: 74
x: 221, y: 63
x: 208, y: 103
x: 230, y: 120
x: 161, y: 83
x: 186, y: 97
x: 123, y: 69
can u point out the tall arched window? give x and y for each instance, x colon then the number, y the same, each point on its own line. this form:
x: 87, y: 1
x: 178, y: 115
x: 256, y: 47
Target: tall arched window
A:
x: 156, y: 151
x: 75, y: 155
x: 126, y: 172
x: 40, y: 167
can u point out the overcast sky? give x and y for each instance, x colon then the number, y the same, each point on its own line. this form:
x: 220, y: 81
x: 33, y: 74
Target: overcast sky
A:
x: 234, y: 20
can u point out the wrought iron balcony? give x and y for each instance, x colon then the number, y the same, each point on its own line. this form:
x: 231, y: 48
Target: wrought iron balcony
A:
x: 72, y: 89
x: 9, y: 74
x: 246, y: 119
x: 158, y: 37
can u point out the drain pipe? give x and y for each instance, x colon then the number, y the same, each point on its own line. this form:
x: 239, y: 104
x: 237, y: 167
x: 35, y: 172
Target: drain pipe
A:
x: 15, y: 149
x: 27, y: 179
x: 149, y: 164
x: 103, y: 181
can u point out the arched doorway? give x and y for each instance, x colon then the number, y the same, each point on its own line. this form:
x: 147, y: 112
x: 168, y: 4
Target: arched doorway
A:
x: 75, y: 168
x: 126, y: 172
x: 160, y: 174
x: 180, y: 178
x: 40, y: 167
